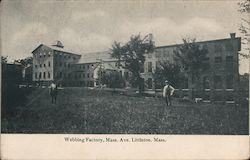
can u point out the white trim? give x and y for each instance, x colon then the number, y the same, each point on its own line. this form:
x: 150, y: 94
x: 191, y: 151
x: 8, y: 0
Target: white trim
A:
x: 230, y: 102
x: 207, y: 89
x: 229, y: 89
x: 206, y: 101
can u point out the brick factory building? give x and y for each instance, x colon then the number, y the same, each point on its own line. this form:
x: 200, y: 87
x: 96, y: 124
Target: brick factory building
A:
x: 219, y: 82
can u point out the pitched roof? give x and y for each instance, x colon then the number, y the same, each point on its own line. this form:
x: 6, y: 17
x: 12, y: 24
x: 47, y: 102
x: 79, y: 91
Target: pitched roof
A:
x: 93, y: 57
x: 56, y: 49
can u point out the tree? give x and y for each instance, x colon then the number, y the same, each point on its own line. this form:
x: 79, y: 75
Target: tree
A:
x: 131, y: 56
x: 25, y: 62
x: 111, y: 78
x: 244, y: 8
x: 192, y: 57
x: 167, y: 71
x: 4, y: 59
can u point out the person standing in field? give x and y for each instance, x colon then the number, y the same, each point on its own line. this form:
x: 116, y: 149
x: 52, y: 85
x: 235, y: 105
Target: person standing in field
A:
x: 53, y: 92
x: 168, y: 91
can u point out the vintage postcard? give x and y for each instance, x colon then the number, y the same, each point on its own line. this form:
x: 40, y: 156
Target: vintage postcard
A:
x: 106, y: 79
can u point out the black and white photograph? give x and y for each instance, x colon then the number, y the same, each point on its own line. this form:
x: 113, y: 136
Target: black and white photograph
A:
x: 89, y: 67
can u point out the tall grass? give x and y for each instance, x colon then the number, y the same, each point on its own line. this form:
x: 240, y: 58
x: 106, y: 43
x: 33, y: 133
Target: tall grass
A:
x: 81, y: 111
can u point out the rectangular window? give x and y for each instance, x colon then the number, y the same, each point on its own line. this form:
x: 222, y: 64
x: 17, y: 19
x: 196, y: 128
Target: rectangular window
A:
x: 88, y: 75
x: 206, y: 63
x: 150, y: 84
x: 49, y: 63
x: 40, y: 65
x: 44, y: 75
x: 157, y: 64
x: 229, y: 46
x: 142, y: 68
x: 218, y: 59
x: 40, y: 75
x: 35, y: 66
x: 48, y: 75
x: 218, y: 96
x: 230, y: 96
x: 229, y: 82
x: 206, y: 97
x: 185, y: 83
x: 229, y: 59
x: 150, y: 67
x: 206, y: 83
x: 218, y: 48
x: 44, y: 65
x: 217, y: 82
x: 126, y: 75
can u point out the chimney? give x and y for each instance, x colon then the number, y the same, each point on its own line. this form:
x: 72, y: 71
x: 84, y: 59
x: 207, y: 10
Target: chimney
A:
x: 232, y: 35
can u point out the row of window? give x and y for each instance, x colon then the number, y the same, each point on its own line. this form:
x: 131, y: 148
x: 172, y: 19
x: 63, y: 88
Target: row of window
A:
x: 41, y: 75
x: 42, y: 65
x: 218, y: 59
x: 218, y: 82
x: 80, y: 83
x: 44, y: 75
x: 65, y: 64
x: 57, y: 54
x: 217, y: 48
x: 61, y: 64
x: 42, y: 55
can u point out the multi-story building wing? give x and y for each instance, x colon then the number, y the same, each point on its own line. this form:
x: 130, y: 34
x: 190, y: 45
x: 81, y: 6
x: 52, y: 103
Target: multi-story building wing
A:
x: 219, y: 81
x: 52, y: 63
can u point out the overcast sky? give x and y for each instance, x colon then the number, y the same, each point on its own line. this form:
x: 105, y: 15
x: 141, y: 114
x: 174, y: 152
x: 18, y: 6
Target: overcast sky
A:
x: 88, y: 26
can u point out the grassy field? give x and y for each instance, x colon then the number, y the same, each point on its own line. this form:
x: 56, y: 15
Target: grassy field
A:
x: 80, y: 111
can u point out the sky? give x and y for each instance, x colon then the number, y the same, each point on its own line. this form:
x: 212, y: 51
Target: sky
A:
x: 89, y: 26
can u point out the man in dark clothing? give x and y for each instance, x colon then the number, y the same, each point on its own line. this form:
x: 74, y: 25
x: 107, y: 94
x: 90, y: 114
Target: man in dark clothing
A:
x: 53, y: 92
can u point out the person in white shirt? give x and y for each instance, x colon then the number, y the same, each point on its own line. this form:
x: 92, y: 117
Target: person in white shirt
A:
x: 168, y: 91
x: 53, y: 92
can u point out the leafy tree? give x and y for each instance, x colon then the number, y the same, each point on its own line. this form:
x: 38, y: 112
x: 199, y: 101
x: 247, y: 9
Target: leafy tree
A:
x: 111, y: 78
x: 131, y: 56
x: 25, y: 62
x: 168, y: 71
x: 244, y: 8
x: 4, y: 60
x: 192, y: 57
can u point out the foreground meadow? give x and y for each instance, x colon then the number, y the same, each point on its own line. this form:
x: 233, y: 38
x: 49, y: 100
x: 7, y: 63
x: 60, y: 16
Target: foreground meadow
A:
x: 81, y: 111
